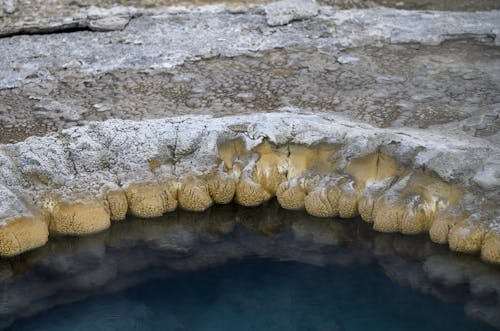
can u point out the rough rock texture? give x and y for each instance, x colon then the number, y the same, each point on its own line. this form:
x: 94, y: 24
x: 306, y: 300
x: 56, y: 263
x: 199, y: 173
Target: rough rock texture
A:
x: 405, y: 130
x: 159, y: 163
x: 41, y: 16
x: 146, y: 44
x: 413, y: 69
x: 60, y: 17
x: 284, y: 12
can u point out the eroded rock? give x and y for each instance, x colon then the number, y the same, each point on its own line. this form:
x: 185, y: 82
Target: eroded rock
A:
x: 326, y: 165
x: 291, y: 57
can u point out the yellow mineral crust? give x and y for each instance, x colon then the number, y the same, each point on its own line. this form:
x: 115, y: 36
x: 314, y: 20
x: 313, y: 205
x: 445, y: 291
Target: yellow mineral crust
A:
x: 490, y: 251
x: 372, y: 168
x: 348, y: 202
x: 467, y: 235
x: 323, y: 201
x: 118, y: 205
x: 150, y: 199
x: 250, y: 193
x: 194, y: 194
x: 291, y: 194
x: 388, y: 215
x: 411, y: 204
x: 317, y: 159
x: 366, y: 204
x: 79, y: 218
x: 222, y: 188
x: 408, y: 216
x: 271, y: 167
x: 433, y: 191
x: 418, y: 218
x: 441, y: 226
x: 22, y: 234
x: 367, y: 171
x: 231, y: 150
x: 368, y: 197
x: 311, y: 182
x: 301, y: 177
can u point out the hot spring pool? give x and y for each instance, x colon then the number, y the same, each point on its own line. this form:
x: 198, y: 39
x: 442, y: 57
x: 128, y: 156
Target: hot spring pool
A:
x: 261, y: 294
x: 236, y: 268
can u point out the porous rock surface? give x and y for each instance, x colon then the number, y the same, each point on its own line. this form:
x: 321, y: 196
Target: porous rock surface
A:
x: 413, y: 181
x: 384, y: 66
x: 389, y: 114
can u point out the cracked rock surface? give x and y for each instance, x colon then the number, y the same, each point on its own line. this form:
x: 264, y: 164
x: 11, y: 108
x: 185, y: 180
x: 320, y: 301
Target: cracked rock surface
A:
x: 38, y: 16
x: 383, y: 66
x: 97, y: 99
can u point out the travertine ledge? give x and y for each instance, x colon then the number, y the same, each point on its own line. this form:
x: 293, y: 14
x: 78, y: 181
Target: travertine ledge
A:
x: 414, y: 181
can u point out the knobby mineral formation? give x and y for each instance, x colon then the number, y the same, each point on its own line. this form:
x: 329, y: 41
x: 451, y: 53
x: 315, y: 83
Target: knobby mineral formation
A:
x: 424, y: 82
x: 77, y: 181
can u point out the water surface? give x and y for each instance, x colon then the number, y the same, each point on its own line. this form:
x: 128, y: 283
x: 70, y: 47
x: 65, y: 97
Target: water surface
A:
x: 235, y: 268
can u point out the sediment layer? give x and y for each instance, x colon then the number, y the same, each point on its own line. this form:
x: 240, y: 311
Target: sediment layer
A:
x: 415, y: 181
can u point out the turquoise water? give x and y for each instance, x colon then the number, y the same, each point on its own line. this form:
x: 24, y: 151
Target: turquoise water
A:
x: 260, y: 294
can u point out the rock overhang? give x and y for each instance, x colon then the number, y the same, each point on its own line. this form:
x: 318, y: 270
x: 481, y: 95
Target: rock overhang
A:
x: 441, y: 180
x: 411, y: 182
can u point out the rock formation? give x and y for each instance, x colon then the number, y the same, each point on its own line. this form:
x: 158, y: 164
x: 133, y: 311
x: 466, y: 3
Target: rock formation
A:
x: 75, y: 182
x: 388, y: 114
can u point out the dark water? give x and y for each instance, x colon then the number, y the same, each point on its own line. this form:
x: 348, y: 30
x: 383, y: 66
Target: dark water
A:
x: 261, y: 294
x: 247, y: 269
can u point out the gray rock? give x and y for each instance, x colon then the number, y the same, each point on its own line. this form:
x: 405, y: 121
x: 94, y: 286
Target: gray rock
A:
x: 9, y: 6
x: 284, y: 12
x: 69, y: 18
x: 345, y: 59
x: 109, y: 23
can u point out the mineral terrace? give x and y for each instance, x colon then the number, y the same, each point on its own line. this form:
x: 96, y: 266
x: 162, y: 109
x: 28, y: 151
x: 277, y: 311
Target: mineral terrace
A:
x: 384, y: 110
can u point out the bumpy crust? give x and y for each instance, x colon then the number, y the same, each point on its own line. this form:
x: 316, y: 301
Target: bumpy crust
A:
x: 22, y: 234
x: 194, y: 195
x: 79, y: 218
x: 149, y: 200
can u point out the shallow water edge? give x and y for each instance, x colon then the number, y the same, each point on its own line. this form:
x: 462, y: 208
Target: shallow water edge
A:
x: 136, y: 251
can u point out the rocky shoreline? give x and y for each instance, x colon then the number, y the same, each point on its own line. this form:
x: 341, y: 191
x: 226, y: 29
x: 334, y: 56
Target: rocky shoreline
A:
x: 340, y: 109
x: 136, y: 251
x: 78, y: 181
